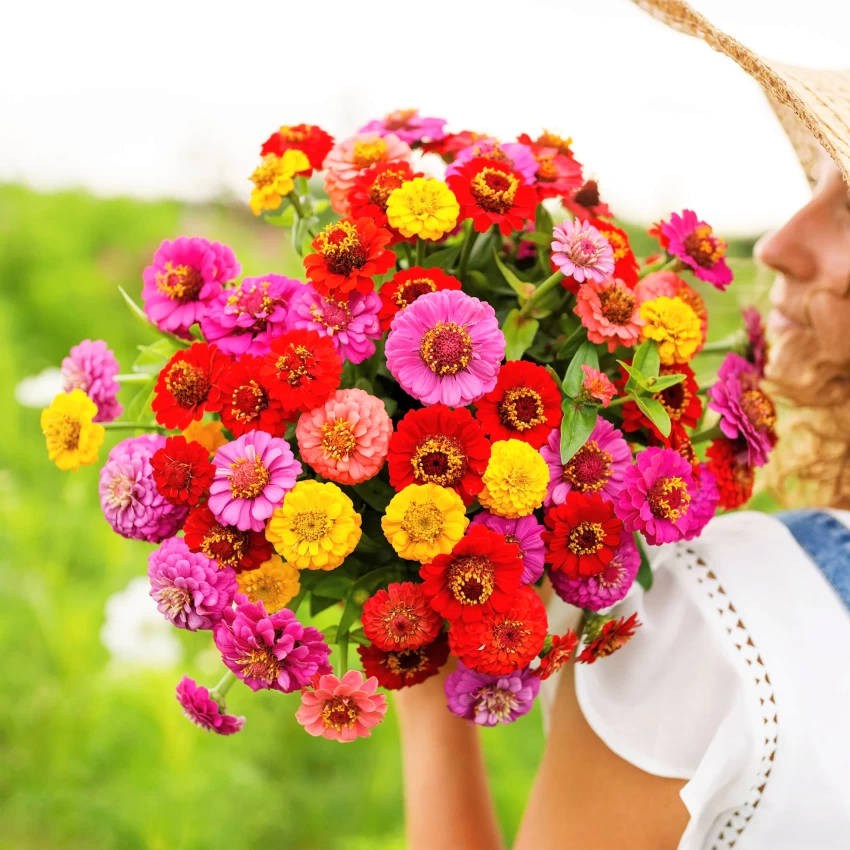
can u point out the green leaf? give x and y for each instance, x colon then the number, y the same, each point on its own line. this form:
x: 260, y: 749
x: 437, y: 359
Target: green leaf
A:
x: 364, y: 384
x: 300, y: 232
x: 571, y: 344
x: 445, y: 258
x: 363, y: 588
x: 644, y: 576
x: 329, y: 634
x: 519, y: 286
x: 139, y: 313
x: 358, y: 636
x: 333, y: 586
x: 284, y: 218
x: 519, y: 334
x: 636, y: 377
x: 153, y: 357
x: 376, y: 493
x: 544, y: 240
x: 655, y: 412
x: 576, y: 426
x: 663, y: 382
x: 320, y: 603
x: 139, y: 408
x: 646, y: 359
x: 554, y: 375
x: 543, y: 223
x: 586, y: 355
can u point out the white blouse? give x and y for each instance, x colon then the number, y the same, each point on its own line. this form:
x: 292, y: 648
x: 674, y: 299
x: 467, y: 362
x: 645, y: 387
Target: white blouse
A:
x: 739, y: 682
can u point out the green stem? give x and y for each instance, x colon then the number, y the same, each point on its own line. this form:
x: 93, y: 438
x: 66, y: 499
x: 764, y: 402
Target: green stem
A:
x: 299, y: 211
x: 219, y: 692
x: 616, y: 402
x: 296, y: 602
x: 548, y: 284
x: 711, y: 433
x: 468, y: 241
x: 737, y: 341
x: 342, y: 666
x: 661, y: 265
x: 134, y: 378
x: 134, y: 426
x: 408, y: 254
x: 420, y: 250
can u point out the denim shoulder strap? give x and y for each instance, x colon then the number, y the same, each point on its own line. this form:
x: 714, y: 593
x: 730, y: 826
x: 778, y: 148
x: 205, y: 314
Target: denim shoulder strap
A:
x: 827, y: 543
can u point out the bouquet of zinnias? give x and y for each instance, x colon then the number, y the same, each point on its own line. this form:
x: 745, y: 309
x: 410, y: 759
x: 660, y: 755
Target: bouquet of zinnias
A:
x: 475, y: 381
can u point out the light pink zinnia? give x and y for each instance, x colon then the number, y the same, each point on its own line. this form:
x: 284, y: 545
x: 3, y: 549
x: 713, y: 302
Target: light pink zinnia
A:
x: 92, y: 367
x: 341, y: 709
x: 204, y: 711
x: 580, y: 251
x: 347, y: 438
x: 610, y: 312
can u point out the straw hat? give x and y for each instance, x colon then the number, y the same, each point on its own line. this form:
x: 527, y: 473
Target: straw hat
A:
x: 813, y: 106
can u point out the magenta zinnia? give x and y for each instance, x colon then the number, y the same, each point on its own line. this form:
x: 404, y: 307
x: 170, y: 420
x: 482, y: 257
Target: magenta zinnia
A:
x: 92, y: 367
x: 695, y: 244
x: 199, y: 706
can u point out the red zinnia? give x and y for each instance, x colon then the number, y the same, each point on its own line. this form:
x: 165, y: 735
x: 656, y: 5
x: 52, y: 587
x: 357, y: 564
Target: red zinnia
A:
x: 524, y: 405
x: 611, y: 637
x: 406, y: 286
x: 438, y: 445
x: 182, y: 471
x: 727, y: 459
x: 400, y: 618
x: 481, y: 574
x: 372, y: 188
x: 452, y: 143
x: 583, y: 534
x: 348, y: 255
x: 490, y: 192
x: 625, y: 265
x: 184, y: 384
x: 244, y: 401
x: 558, y: 655
x: 502, y: 642
x: 312, y: 141
x: 656, y: 231
x: 301, y: 370
x: 400, y: 668
x: 225, y: 544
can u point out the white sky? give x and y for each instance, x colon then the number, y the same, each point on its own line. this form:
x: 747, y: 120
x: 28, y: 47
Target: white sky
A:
x: 174, y: 98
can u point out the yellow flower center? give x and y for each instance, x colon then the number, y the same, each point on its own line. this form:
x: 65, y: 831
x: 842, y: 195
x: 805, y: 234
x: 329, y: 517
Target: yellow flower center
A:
x: 120, y: 491
x: 339, y: 713
x: 311, y: 525
x: 174, y: 599
x: 248, y: 401
x: 669, y: 498
x: 368, y: 152
x: 423, y: 522
x: 759, y: 409
x: 438, y: 460
x: 385, y: 184
x: 253, y: 301
x: 261, y: 664
x: 341, y: 247
x: 553, y: 140
x: 471, y: 579
x: 617, y: 304
x: 399, y: 119
x: 248, y: 478
x: 494, y: 190
x: 292, y: 134
x: 338, y: 440
x: 268, y: 583
x: 521, y: 409
x: 547, y: 172
x: 704, y: 248
x: 335, y: 315
x: 410, y: 290
x: 180, y: 283
x: 63, y: 431
x: 293, y: 365
x: 401, y: 623
x: 509, y: 635
x: 406, y: 662
x: 446, y: 348
x: 267, y: 172
x: 586, y: 538
x: 589, y: 468
x: 189, y: 384
x: 225, y: 545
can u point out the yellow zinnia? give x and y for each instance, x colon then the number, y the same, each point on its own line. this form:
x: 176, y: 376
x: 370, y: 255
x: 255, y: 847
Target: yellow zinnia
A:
x: 274, y: 581
x: 423, y: 521
x: 316, y: 528
x: 208, y: 434
x: 674, y: 325
x: 274, y: 178
x: 515, y: 479
x: 72, y: 437
x: 424, y: 208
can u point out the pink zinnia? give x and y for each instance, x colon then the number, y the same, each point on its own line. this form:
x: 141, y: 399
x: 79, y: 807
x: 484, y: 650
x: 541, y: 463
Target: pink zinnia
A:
x: 580, y: 251
x: 610, y: 312
x: 92, y: 367
x: 694, y: 243
x: 755, y: 334
x: 409, y: 126
x: 204, y: 711
x: 346, y: 439
x: 446, y: 347
x: 599, y: 466
x: 341, y: 709
x: 597, y: 385
x: 245, y: 319
x: 656, y: 496
x: 704, y: 503
x: 518, y: 156
x: 183, y: 278
x: 526, y: 532
x: 189, y: 589
x: 351, y: 323
x: 270, y: 651
x: 252, y: 475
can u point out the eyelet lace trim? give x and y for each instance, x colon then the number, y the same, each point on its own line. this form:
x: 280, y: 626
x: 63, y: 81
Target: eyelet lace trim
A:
x: 731, y: 824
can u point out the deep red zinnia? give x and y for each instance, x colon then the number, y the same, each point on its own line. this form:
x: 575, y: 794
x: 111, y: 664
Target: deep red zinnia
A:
x: 313, y: 141
x: 727, y: 459
x: 184, y: 383
x: 614, y: 635
x: 524, y: 405
x: 582, y: 534
x: 438, y: 445
x: 406, y: 286
x: 400, y: 618
x: 225, y: 544
x: 182, y: 471
x: 562, y: 649
x: 401, y: 668
x: 372, y: 188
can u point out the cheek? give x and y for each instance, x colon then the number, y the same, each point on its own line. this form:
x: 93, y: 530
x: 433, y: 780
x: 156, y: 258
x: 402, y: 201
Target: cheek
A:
x: 829, y: 315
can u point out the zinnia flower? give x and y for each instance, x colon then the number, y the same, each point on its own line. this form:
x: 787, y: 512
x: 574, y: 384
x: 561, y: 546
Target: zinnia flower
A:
x: 73, y: 437
x: 597, y: 385
x: 524, y: 405
x: 557, y: 174
x: 613, y: 635
x: 349, y: 254
x: 626, y: 266
x: 208, y: 434
x: 610, y: 312
x: 129, y: 497
x: 605, y: 588
x: 316, y: 528
x: 442, y: 446
x: 189, y: 589
x: 406, y: 286
x: 204, y: 711
x: 346, y: 439
x: 92, y: 367
x: 408, y: 125
x: 423, y: 521
x: 490, y: 700
x: 586, y: 203
x: 182, y: 471
x: 704, y: 502
x: 670, y: 285
x: 516, y: 156
x: 695, y: 244
x: 184, y: 383
x: 580, y: 251
x: 253, y: 474
x: 526, y: 532
x: 560, y: 651
x: 674, y: 326
x: 183, y: 278
x: 311, y: 140
x: 599, y: 466
x: 656, y: 497
x: 227, y: 545
x: 757, y: 352
x: 275, y: 583
x: 446, y: 347
x: 423, y: 207
x: 398, y: 669
x: 372, y: 188
x: 270, y: 651
x: 547, y: 139
x: 515, y: 480
x: 400, y: 618
x: 502, y: 642
x: 727, y: 460
x: 274, y: 178
x: 341, y: 709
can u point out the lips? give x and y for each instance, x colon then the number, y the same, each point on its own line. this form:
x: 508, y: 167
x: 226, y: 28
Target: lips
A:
x: 778, y: 322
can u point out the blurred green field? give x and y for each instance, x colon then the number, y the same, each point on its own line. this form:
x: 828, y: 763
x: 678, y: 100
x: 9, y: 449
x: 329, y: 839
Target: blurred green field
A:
x: 98, y: 757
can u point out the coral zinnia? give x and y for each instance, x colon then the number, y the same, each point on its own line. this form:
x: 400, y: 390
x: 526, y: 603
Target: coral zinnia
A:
x: 674, y: 325
x: 610, y: 312
x: 526, y: 532
x: 583, y: 534
x: 597, y: 385
x: 227, y: 545
x: 423, y: 207
x: 515, y: 479
x: 274, y: 178
x: 184, y: 383
x: 398, y: 669
x: 557, y: 174
x: 694, y: 243
x: 560, y: 651
x: 441, y: 446
x: 406, y: 286
x: 490, y: 700
x: 372, y: 188
x: 613, y: 635
x: 92, y: 367
x: 311, y: 140
x: 423, y: 521
x: 586, y: 202
x: 408, y: 125
x: 581, y: 252
x: 182, y: 471
x: 316, y: 528
x: 446, y: 347
x: 204, y: 711
x: 341, y: 709
x: 727, y: 459
x: 275, y: 582
x: 524, y: 405
x: 73, y: 437
x: 400, y: 617
x: 345, y: 439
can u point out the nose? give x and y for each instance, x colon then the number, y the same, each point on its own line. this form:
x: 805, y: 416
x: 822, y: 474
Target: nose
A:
x: 787, y: 250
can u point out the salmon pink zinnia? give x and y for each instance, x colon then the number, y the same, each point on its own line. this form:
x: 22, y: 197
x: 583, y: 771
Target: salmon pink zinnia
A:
x: 341, y: 709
